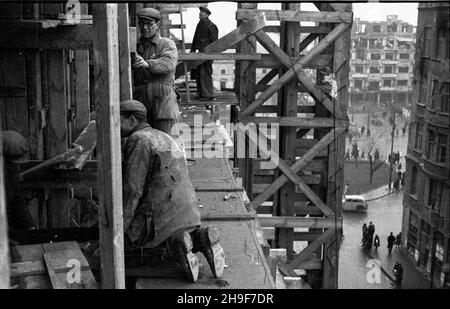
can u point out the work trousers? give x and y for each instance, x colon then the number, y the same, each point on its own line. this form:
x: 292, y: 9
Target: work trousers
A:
x: 205, y: 88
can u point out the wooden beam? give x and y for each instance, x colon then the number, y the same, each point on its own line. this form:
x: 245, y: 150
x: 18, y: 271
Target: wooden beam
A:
x: 270, y: 61
x: 308, y: 123
x: 124, y: 52
x: 308, y: 40
x: 240, y: 33
x: 108, y: 145
x: 315, y: 245
x: 268, y: 77
x: 297, y: 166
x: 309, y: 109
x: 82, y: 97
x: 58, y: 202
x: 291, y: 73
x: 299, y: 222
x: 217, y: 56
x: 298, y: 16
x: 4, y: 246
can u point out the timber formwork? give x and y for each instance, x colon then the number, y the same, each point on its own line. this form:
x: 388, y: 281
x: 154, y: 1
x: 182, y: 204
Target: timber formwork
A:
x: 45, y: 98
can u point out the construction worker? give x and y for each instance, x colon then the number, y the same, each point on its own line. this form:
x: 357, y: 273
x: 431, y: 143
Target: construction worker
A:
x: 15, y: 148
x: 153, y: 73
x: 205, y: 33
x: 159, y: 204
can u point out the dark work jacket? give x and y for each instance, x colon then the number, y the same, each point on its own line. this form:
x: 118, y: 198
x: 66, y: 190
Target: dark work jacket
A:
x: 158, y: 196
x: 205, y: 33
x: 154, y: 86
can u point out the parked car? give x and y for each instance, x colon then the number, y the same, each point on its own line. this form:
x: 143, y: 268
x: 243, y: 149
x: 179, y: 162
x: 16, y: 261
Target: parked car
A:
x: 354, y: 203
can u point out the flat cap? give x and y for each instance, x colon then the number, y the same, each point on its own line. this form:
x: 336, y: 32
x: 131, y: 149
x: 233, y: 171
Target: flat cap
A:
x: 133, y: 106
x: 15, y: 147
x: 205, y: 9
x: 149, y: 13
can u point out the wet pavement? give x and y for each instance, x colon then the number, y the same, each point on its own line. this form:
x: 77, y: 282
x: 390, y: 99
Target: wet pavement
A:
x: 356, y: 265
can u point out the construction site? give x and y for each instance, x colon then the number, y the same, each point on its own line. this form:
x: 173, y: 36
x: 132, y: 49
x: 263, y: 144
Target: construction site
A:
x: 265, y: 158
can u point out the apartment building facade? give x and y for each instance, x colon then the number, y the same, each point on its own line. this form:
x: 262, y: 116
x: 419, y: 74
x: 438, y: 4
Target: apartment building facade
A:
x: 381, y: 67
x: 426, y: 213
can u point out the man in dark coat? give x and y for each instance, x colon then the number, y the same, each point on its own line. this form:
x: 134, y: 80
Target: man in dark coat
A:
x: 205, y: 33
x: 159, y: 204
x: 390, y: 241
x: 153, y: 73
x: 15, y: 148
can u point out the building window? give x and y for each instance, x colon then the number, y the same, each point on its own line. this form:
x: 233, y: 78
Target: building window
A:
x: 426, y: 42
x: 389, y: 43
x: 375, y: 43
x: 223, y: 84
x: 374, y: 70
x: 434, y: 93
x: 373, y: 85
x: 404, y: 44
x: 376, y: 28
x: 418, y: 140
x: 404, y: 28
x: 402, y: 82
x: 392, y: 27
x: 359, y: 69
x: 442, y: 42
x: 388, y: 69
x: 444, y: 97
x: 404, y: 56
x: 264, y: 70
x: 361, y: 54
x: 223, y: 71
x: 358, y: 84
x: 442, y: 148
x: 375, y: 56
x: 403, y: 69
x: 413, y: 230
x: 413, y: 183
x: 431, y: 144
x: 435, y: 195
x: 387, y: 83
x: 389, y: 56
x: 423, y: 91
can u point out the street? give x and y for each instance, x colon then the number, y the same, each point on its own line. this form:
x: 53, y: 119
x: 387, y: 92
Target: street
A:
x: 386, y: 215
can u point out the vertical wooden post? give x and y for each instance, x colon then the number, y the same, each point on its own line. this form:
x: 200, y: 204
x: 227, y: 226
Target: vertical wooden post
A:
x: 289, y: 42
x: 341, y: 67
x: 107, y: 96
x: 246, y: 71
x: 4, y: 255
x: 58, y: 200
x: 124, y: 52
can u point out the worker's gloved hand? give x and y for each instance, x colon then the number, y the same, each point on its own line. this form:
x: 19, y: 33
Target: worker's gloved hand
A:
x: 139, y: 62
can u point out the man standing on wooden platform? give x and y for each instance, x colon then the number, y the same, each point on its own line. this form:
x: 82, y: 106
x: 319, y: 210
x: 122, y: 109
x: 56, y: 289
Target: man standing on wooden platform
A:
x: 205, y: 34
x: 153, y: 73
x: 160, y: 208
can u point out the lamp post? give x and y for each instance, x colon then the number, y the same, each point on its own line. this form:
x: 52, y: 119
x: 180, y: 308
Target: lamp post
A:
x: 392, y: 143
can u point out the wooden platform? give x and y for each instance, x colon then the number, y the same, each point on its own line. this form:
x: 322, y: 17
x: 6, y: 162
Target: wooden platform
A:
x: 246, y: 264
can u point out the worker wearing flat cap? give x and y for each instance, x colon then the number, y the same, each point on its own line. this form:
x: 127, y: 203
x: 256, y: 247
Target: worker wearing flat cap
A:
x: 205, y: 34
x: 15, y: 149
x: 159, y: 204
x: 153, y: 73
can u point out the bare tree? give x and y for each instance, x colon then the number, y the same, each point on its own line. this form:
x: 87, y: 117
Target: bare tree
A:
x: 377, y: 163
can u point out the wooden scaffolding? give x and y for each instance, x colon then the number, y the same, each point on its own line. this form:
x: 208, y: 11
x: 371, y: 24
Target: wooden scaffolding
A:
x: 44, y: 97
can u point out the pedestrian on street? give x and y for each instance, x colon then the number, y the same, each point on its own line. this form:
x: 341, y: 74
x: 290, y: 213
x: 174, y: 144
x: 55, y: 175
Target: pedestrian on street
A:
x: 347, y: 155
x: 390, y: 242
x: 404, y: 130
x: 371, y: 229
x: 398, y: 240
x: 376, y: 242
x: 205, y: 34
x: 396, y: 185
x: 364, y: 231
x: 362, y: 129
x: 398, y: 273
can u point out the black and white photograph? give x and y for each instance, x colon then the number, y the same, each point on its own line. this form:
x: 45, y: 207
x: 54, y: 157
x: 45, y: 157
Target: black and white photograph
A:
x: 224, y: 151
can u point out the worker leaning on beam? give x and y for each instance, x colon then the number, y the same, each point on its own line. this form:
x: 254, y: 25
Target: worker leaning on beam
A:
x: 153, y: 73
x: 205, y: 34
x: 159, y: 204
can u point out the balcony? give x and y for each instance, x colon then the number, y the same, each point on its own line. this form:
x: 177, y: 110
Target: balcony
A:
x: 432, y: 167
x: 437, y: 119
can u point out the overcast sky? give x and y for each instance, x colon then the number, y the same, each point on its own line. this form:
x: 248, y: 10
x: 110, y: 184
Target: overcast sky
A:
x: 223, y: 14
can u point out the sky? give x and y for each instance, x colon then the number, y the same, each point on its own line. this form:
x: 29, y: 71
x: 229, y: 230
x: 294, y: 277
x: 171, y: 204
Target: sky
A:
x: 223, y: 14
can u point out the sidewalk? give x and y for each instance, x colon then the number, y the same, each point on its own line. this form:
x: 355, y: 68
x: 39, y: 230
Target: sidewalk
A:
x: 413, y: 278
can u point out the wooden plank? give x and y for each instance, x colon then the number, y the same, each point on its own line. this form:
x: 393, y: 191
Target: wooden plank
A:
x: 31, y: 253
x: 56, y: 133
x: 297, y: 15
x: 291, y: 73
x: 217, y: 56
x: 297, y: 166
x: 308, y: 40
x: 298, y: 222
x: 108, y: 145
x: 270, y: 61
x: 124, y: 52
x: 4, y: 246
x: 315, y: 245
x: 268, y: 77
x: 308, y: 123
x: 30, y: 268
x: 240, y: 33
x: 67, y: 267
